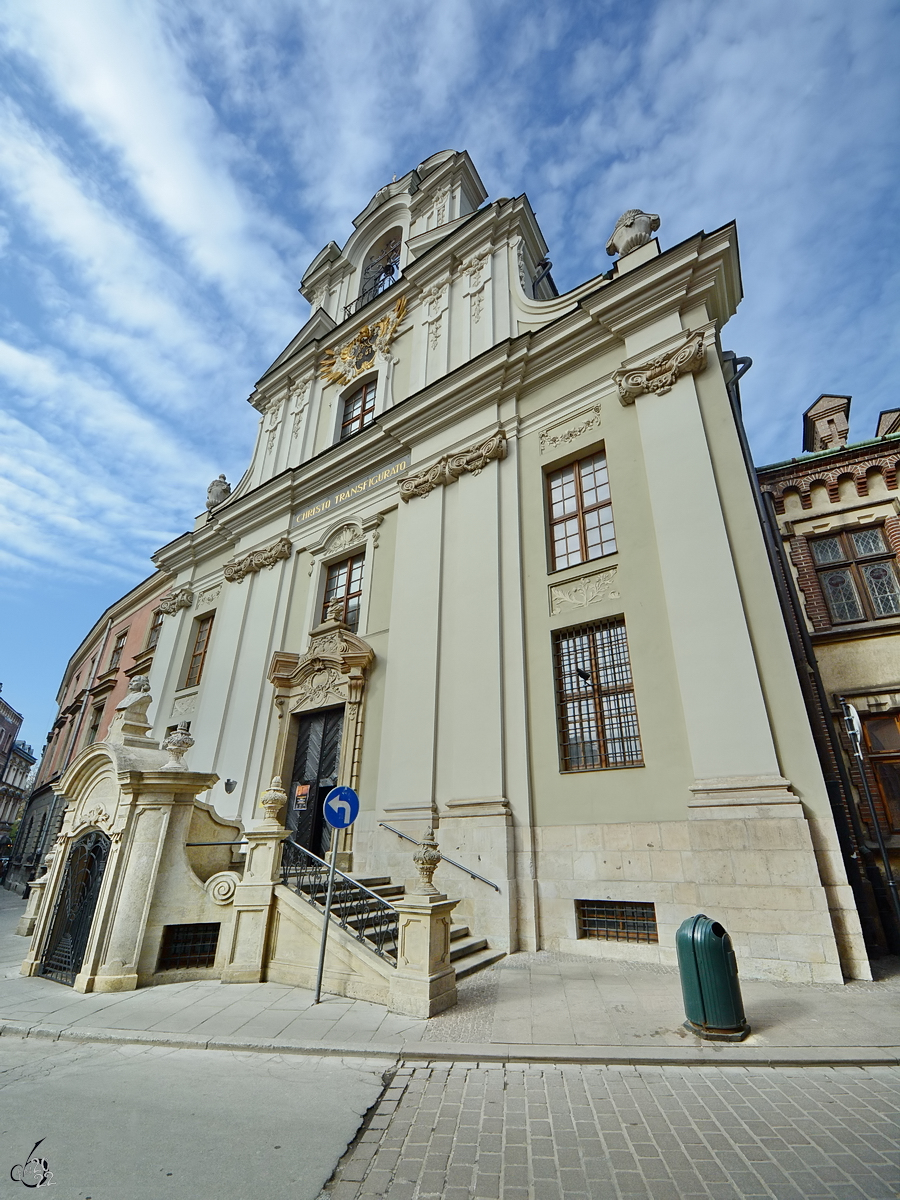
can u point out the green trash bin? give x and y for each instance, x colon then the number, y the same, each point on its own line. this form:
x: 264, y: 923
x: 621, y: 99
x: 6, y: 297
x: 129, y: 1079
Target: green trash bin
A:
x: 709, y: 981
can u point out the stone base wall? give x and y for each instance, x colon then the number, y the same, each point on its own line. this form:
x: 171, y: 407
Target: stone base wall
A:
x: 753, y: 868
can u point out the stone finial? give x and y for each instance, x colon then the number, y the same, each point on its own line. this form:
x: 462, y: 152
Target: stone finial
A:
x: 335, y: 610
x: 427, y: 859
x: 177, y: 745
x: 218, y: 490
x: 273, y: 800
x: 633, y: 229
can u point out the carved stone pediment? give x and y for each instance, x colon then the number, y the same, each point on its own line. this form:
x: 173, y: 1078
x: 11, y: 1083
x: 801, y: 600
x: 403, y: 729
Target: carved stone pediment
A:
x: 331, y: 671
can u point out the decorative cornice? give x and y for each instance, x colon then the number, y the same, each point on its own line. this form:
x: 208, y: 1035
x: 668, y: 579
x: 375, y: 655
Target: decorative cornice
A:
x: 170, y: 604
x: 449, y: 468
x: 550, y: 439
x: 346, y: 362
x: 659, y: 374
x: 236, y: 572
x: 851, y: 463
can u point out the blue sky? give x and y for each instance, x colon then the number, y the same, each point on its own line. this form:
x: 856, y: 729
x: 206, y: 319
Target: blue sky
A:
x: 168, y: 170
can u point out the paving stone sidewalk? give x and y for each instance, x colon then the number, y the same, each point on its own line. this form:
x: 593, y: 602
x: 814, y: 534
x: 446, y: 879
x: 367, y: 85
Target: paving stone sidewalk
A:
x: 542, y: 1132
x: 543, y: 1006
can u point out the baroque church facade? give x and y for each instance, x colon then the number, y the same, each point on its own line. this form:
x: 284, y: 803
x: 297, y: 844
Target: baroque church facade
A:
x: 495, y: 564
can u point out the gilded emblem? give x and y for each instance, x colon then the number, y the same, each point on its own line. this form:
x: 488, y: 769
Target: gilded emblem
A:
x: 358, y: 355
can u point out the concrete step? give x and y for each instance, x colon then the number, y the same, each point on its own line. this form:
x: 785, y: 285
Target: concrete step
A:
x: 375, y: 882
x: 458, y: 931
x: 465, y: 946
x: 476, y: 962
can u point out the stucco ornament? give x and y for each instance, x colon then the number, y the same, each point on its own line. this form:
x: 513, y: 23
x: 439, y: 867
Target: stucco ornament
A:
x: 346, y: 362
x: 659, y: 374
x: 218, y: 490
x: 449, y: 468
x: 633, y: 229
x: 176, y: 746
x: 427, y: 859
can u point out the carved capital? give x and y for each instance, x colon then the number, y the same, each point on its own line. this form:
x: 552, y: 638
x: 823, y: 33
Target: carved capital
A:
x: 170, y: 604
x: 659, y: 374
x: 238, y: 570
x: 449, y: 468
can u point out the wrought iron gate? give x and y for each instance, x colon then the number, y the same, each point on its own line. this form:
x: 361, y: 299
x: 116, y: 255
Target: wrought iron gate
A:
x: 74, y: 909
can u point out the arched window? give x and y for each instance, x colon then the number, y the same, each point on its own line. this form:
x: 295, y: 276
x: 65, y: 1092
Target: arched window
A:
x: 381, y: 267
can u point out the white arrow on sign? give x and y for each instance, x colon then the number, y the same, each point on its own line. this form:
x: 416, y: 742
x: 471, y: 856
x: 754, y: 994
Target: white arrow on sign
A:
x: 334, y: 805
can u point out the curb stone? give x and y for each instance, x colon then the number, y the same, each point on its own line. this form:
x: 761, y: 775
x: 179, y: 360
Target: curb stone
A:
x: 484, y: 1053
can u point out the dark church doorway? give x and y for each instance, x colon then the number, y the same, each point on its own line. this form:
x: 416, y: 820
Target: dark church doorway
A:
x: 314, y: 775
x: 75, y: 905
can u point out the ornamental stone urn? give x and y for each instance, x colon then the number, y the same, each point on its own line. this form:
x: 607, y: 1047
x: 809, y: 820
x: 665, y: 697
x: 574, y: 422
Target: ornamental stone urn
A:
x: 633, y: 229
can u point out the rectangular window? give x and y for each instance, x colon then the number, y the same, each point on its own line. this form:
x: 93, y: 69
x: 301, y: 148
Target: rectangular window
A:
x: 581, y: 520
x: 344, y: 583
x: 857, y: 574
x: 198, y: 654
x: 596, y: 712
x: 188, y: 946
x: 94, y: 727
x: 155, y: 628
x: 614, y: 921
x: 883, y: 745
x: 116, y: 657
x: 359, y: 410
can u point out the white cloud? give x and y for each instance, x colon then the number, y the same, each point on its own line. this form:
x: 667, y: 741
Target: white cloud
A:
x: 167, y: 170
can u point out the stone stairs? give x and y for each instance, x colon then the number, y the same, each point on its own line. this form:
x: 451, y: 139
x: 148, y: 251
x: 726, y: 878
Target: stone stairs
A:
x: 467, y: 953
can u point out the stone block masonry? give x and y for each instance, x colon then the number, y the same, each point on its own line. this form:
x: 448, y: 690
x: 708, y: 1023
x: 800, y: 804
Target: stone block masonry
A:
x: 548, y: 1132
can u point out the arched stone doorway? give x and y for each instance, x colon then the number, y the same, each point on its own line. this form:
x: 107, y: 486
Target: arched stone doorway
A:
x: 73, y: 913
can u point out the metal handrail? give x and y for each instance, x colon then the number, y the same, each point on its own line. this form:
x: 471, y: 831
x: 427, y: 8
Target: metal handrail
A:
x: 371, y: 919
x: 444, y: 858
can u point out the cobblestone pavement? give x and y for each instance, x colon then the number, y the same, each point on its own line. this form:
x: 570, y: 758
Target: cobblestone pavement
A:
x: 460, y: 1131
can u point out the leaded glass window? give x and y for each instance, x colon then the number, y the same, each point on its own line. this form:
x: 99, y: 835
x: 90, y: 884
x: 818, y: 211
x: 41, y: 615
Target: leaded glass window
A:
x: 596, y: 711
x: 827, y: 550
x: 581, y: 520
x: 841, y: 596
x: 865, y: 586
x: 882, y: 585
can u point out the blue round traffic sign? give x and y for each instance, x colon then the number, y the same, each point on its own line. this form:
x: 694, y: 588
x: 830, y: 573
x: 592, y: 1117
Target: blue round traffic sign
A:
x: 341, y: 807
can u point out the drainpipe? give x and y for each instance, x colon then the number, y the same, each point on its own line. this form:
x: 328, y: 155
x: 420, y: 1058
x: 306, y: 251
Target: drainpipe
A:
x: 863, y: 875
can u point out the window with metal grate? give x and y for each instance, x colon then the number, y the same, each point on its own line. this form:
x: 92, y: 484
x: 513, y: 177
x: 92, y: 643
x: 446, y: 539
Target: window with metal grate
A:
x: 616, y: 921
x: 596, y: 711
x: 188, y: 946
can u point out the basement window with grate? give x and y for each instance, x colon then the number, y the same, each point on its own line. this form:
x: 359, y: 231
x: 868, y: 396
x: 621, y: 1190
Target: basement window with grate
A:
x: 616, y: 921
x: 188, y: 946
